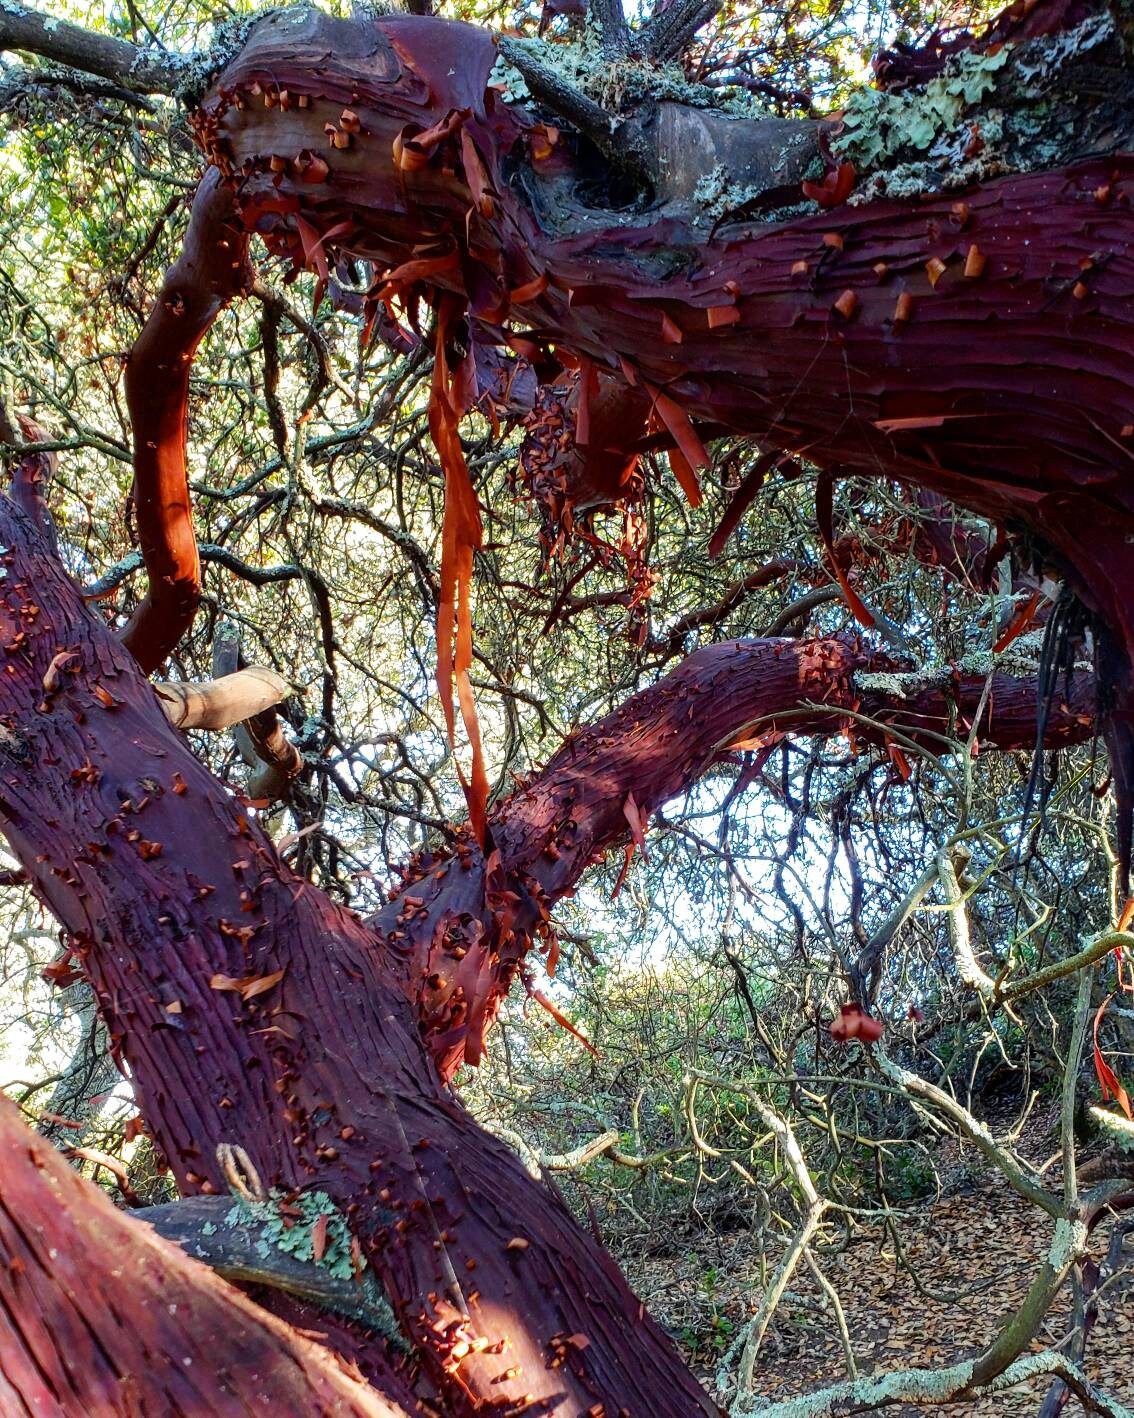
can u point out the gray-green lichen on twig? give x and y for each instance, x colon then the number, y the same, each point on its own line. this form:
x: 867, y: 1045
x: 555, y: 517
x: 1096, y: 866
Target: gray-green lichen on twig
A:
x: 1013, y: 109
x: 289, y: 1226
x: 583, y: 62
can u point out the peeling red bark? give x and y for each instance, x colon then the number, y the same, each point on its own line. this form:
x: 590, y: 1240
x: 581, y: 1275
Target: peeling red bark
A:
x: 212, y: 269
x: 1021, y: 417
x: 100, y: 1318
x: 463, y: 929
x: 327, y: 1078
x: 163, y: 882
x: 864, y: 338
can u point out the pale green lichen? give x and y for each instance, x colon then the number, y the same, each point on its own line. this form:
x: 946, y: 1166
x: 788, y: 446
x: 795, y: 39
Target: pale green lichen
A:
x: 1119, y: 1130
x: 1067, y: 1244
x: 947, y: 134
x: 295, y: 1235
x: 716, y: 195
x: 881, y: 127
x: 1021, y: 658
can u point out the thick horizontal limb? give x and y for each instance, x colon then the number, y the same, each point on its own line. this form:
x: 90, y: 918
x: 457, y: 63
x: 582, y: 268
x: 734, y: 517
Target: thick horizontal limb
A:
x: 141, y: 70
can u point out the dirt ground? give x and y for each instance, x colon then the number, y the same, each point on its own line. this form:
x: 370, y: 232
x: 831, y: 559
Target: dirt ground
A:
x: 970, y: 1255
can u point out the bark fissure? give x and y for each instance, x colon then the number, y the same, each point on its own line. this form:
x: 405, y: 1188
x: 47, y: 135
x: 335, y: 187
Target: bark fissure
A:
x: 175, y: 905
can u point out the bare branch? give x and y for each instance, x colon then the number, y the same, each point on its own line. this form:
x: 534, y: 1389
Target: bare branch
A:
x: 612, y: 22
x: 225, y: 1235
x: 137, y: 69
x: 617, y: 139
x: 220, y: 703
x: 669, y: 32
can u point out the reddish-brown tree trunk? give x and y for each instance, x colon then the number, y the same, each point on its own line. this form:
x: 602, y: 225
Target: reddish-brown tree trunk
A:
x: 170, y: 892
x: 101, y: 1318
x: 252, y: 1010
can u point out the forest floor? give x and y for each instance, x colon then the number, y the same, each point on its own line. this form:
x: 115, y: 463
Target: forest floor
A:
x: 967, y: 1258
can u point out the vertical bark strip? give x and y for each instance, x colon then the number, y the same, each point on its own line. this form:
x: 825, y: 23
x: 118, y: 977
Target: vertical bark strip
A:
x: 212, y: 268
x: 169, y: 893
x: 100, y: 1318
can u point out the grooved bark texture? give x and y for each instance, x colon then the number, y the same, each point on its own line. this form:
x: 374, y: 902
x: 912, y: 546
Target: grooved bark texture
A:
x: 164, y: 883
x: 100, y: 1318
x: 463, y: 929
x: 326, y: 1076
x: 869, y: 338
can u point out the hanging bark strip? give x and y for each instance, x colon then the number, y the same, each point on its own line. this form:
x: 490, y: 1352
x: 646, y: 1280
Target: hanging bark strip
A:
x: 824, y: 517
x: 460, y: 537
x: 212, y: 269
x: 864, y: 335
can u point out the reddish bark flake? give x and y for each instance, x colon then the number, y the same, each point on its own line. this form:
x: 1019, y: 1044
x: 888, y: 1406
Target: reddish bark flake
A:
x: 853, y: 1022
x: 1110, y: 1085
x: 247, y: 986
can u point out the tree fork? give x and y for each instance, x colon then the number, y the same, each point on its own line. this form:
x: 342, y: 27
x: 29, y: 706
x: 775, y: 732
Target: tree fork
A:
x: 101, y: 1318
x: 236, y: 990
x: 254, y: 1011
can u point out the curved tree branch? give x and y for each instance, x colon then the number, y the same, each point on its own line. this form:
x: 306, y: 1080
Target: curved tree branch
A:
x: 212, y: 268
x: 741, y: 694
x: 221, y: 703
x: 140, y: 70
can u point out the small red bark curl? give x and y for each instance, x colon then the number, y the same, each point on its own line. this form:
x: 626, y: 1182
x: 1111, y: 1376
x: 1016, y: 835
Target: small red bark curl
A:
x: 853, y: 1022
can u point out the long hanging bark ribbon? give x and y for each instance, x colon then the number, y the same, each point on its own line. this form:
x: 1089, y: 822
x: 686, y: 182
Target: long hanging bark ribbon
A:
x: 689, y: 453
x: 460, y: 537
x: 1109, y: 1084
x: 825, y: 517
x: 742, y: 499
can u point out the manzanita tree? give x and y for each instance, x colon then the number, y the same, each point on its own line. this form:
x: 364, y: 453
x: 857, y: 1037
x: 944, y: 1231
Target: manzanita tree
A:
x: 933, y: 288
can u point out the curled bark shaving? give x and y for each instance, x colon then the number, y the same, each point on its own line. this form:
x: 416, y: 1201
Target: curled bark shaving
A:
x: 221, y: 703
